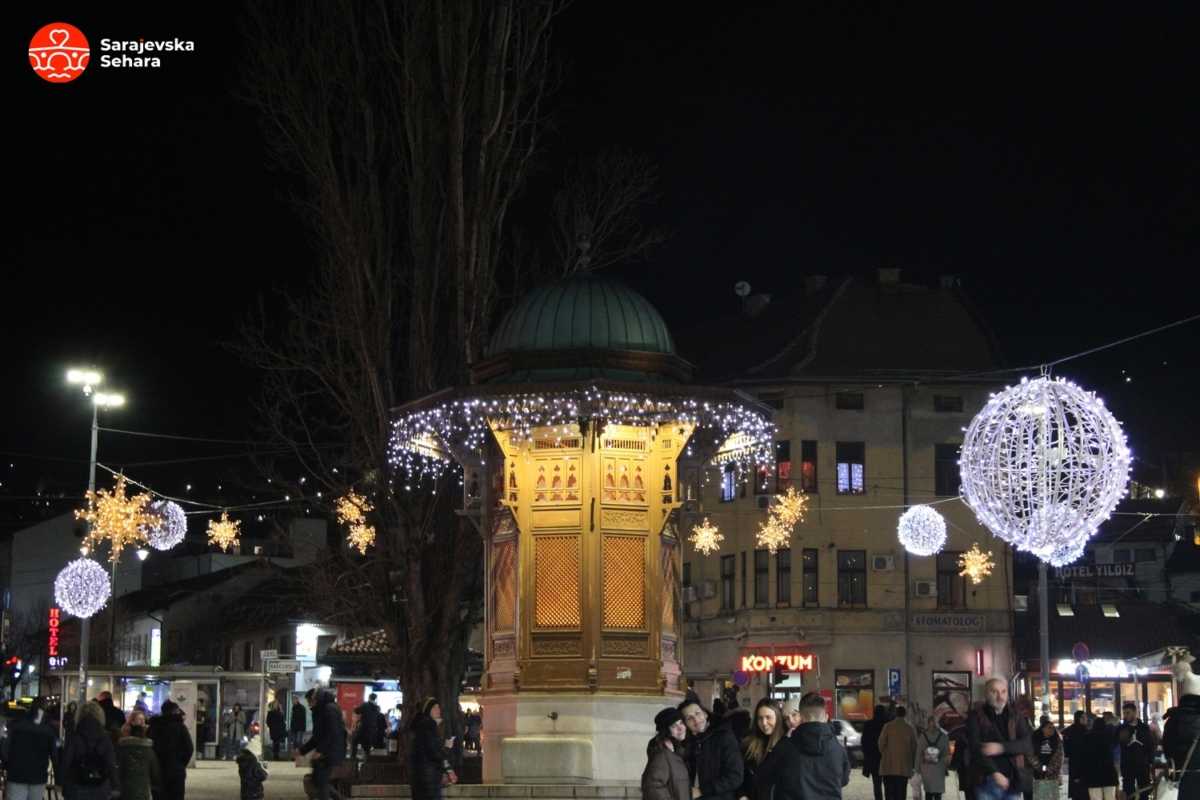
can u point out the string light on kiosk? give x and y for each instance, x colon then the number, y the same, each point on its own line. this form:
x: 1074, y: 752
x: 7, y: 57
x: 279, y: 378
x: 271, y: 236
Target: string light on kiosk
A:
x: 116, y: 518
x: 922, y: 531
x: 225, y: 533
x: 82, y: 588
x: 706, y: 538
x: 352, y: 510
x: 976, y: 564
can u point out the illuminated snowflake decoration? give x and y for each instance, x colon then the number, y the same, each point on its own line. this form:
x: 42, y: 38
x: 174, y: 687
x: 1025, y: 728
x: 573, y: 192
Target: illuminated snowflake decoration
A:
x: 170, y: 526
x: 352, y: 510
x: 1067, y: 554
x: 706, y: 538
x: 1043, y: 464
x: 113, y: 517
x: 786, y: 513
x: 922, y: 531
x: 423, y: 440
x: 82, y: 588
x: 976, y: 564
x: 225, y: 533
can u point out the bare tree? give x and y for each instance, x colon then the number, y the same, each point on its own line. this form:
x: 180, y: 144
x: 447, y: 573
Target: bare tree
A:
x: 410, y: 127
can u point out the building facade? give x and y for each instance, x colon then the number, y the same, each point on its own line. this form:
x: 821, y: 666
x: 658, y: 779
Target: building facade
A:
x: 870, y: 418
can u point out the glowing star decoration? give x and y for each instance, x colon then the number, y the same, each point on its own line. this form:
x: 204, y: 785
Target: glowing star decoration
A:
x: 352, y: 510
x: 706, y: 538
x: 785, y: 514
x: 82, y: 588
x: 170, y: 526
x: 224, y: 533
x: 976, y: 564
x: 1043, y: 464
x: 117, y: 519
x: 922, y: 531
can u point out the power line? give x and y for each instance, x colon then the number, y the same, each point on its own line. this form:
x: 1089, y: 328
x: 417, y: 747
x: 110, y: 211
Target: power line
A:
x: 205, y: 439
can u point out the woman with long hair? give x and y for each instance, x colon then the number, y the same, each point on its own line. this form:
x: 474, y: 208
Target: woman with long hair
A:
x: 767, y: 731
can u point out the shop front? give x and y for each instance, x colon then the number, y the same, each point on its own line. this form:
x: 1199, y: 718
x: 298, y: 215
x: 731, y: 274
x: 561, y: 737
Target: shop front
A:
x: 1098, y: 686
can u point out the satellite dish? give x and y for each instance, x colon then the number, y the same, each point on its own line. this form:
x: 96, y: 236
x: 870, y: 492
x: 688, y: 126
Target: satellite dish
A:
x: 741, y: 289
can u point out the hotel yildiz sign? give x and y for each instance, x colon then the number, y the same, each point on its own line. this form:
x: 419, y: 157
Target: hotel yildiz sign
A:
x: 1121, y: 569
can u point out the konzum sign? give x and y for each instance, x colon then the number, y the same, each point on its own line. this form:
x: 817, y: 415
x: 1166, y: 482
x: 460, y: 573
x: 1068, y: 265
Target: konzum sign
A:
x: 792, y: 662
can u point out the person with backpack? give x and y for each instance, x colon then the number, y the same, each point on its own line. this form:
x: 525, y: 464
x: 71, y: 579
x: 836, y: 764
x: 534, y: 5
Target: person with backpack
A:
x: 251, y: 774
x: 173, y: 747
x: 89, y: 762
x: 29, y: 750
x: 933, y: 751
x: 137, y: 765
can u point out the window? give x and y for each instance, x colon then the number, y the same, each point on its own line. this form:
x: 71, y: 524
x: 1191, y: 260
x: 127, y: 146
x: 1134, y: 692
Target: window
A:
x: 851, y: 460
x: 764, y: 479
x: 945, y: 470
x: 246, y: 654
x: 174, y: 644
x: 811, y: 598
x: 687, y: 573
x: 743, y: 579
x: 229, y: 657
x: 783, y: 577
x: 726, y: 582
x: 852, y: 577
x: 951, y: 587
x: 728, y: 485
x: 1145, y: 554
x: 270, y: 643
x: 772, y: 399
x: 854, y: 693
x: 849, y: 401
x: 1122, y: 555
x: 947, y: 403
x: 783, y: 465
x: 808, y: 466
x: 762, y: 562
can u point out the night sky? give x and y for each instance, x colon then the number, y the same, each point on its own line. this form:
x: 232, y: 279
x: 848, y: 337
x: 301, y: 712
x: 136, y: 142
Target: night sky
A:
x: 1050, y: 161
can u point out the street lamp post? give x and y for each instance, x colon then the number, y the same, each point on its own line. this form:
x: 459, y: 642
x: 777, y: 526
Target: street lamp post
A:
x: 89, y: 380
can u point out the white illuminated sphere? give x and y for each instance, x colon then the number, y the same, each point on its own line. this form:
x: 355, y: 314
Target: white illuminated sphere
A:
x: 1066, y: 554
x: 82, y: 588
x: 172, y: 526
x: 922, y: 531
x: 1043, y: 464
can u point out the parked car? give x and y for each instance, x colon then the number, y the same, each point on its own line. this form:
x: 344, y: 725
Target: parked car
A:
x: 850, y: 738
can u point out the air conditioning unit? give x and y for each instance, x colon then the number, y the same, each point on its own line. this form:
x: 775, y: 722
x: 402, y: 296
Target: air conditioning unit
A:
x: 1020, y: 602
x: 925, y: 589
x: 709, y: 590
x: 764, y: 501
x: 883, y: 563
x: 689, y: 594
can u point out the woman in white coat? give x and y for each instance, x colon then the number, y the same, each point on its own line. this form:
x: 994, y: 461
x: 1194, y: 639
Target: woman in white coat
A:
x: 933, y: 758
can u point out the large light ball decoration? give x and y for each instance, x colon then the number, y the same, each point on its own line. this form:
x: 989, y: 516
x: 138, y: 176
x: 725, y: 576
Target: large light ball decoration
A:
x: 1043, y: 464
x: 82, y: 588
x: 922, y: 531
x: 1066, y: 554
x: 170, y: 527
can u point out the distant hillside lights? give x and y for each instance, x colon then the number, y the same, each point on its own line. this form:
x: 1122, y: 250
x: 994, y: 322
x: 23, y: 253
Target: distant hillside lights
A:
x: 145, y: 52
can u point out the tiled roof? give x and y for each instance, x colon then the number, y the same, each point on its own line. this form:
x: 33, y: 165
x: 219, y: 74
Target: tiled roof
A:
x: 375, y: 643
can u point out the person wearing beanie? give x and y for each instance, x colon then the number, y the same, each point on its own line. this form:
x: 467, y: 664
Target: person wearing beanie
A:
x: 666, y: 774
x: 429, y: 764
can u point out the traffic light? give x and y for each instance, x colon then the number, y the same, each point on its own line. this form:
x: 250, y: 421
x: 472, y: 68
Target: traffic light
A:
x: 12, y: 674
x: 779, y: 674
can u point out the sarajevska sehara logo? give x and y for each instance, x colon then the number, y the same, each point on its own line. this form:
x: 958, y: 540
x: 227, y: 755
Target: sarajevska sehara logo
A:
x: 59, y: 52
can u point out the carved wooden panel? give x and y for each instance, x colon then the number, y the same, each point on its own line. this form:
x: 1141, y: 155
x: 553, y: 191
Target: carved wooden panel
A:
x: 556, y: 581
x: 624, y: 481
x: 623, y: 647
x: 503, y: 648
x: 670, y: 585
x: 620, y: 519
x: 555, y: 647
x: 555, y: 518
x: 556, y: 480
x: 504, y: 585
x: 624, y: 582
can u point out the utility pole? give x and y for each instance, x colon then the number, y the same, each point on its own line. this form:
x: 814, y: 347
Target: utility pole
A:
x: 85, y: 625
x: 1044, y: 630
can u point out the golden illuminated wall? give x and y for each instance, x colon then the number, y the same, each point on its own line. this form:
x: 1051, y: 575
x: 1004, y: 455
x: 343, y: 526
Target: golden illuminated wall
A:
x: 584, y: 560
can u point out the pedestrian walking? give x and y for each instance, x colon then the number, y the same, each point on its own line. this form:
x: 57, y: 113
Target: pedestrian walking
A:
x: 897, y: 755
x: 28, y: 751
x: 326, y: 748
x: 369, y: 718
x: 429, y: 763
x: 251, y: 775
x: 299, y: 722
x: 666, y: 774
x: 1180, y: 736
x: 1000, y: 742
x: 69, y: 721
x: 715, y: 765
x: 933, y: 751
x: 1137, y: 752
x: 276, y: 728
x: 89, y: 761
x: 870, y: 748
x: 810, y: 764
x: 114, y: 718
x: 767, y: 732
x: 1099, y: 771
x: 137, y: 765
x: 1047, y: 752
x: 1073, y: 739
x: 234, y: 730
x: 173, y: 747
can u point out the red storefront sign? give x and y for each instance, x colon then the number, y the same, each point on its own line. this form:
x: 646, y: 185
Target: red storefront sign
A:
x: 52, y: 644
x: 792, y: 662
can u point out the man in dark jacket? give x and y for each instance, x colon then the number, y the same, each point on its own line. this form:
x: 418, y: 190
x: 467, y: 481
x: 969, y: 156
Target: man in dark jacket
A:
x: 370, y: 720
x: 1137, y: 751
x: 714, y: 758
x: 819, y: 767
x: 1179, y: 734
x: 114, y: 718
x: 328, y: 741
x: 276, y: 728
x: 1073, y: 738
x: 1001, y: 742
x: 28, y: 752
x: 299, y: 723
x: 173, y: 746
x: 870, y: 748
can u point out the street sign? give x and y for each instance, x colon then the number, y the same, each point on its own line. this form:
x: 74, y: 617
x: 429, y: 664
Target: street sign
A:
x: 282, y: 666
x: 267, y: 655
x: 894, y: 682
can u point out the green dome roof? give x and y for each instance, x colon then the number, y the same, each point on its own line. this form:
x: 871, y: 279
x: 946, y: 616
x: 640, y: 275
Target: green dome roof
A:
x: 582, y: 313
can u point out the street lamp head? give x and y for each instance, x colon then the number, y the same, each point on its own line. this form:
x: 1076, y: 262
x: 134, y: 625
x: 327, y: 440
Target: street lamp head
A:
x: 85, y: 377
x: 108, y: 399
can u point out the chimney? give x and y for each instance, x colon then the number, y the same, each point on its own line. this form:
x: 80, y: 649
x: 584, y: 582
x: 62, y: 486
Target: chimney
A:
x: 814, y: 284
x: 889, y: 276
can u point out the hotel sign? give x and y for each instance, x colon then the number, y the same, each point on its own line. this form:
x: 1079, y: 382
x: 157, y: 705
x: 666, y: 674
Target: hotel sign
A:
x: 1124, y: 569
x: 792, y: 662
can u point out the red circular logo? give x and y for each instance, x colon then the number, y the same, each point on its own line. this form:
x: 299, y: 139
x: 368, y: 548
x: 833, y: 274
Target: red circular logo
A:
x: 59, y: 52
